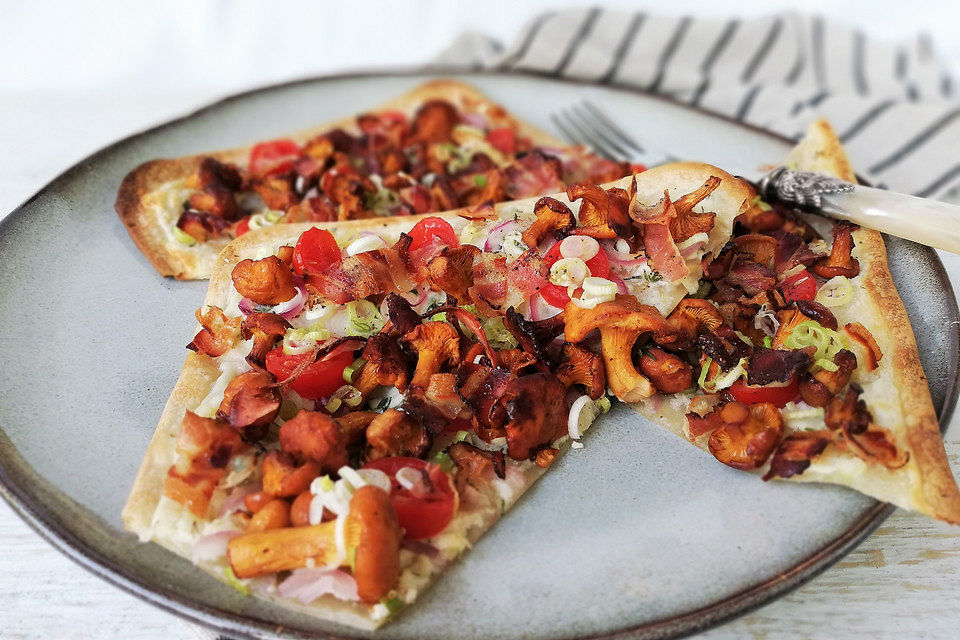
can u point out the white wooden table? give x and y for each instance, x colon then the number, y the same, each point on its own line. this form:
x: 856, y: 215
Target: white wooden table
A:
x: 903, y: 580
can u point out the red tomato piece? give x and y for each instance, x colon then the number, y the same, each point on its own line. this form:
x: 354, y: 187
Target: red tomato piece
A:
x: 799, y: 286
x: 599, y: 266
x: 503, y: 139
x: 275, y: 156
x: 430, y: 230
x: 421, y: 515
x: 317, y: 381
x: 778, y: 395
x: 242, y: 227
x: 316, y: 250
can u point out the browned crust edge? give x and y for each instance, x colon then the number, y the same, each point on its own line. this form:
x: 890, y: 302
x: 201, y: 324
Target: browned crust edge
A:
x: 170, y: 259
x: 939, y: 493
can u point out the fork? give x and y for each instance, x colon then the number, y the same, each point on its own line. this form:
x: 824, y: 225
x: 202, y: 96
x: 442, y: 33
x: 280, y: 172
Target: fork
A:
x: 584, y: 123
x: 929, y: 222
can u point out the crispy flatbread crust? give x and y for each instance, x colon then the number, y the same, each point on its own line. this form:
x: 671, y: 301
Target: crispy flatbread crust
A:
x: 200, y: 372
x: 896, y: 392
x: 172, y: 258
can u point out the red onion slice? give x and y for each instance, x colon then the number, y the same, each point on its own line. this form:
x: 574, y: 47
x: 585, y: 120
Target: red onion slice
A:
x: 292, y: 307
x: 617, y: 280
x: 306, y: 585
x: 498, y: 233
x: 624, y: 259
x: 214, y: 546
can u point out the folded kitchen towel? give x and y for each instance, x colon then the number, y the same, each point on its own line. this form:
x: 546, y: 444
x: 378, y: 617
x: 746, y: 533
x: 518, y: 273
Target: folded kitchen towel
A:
x: 893, y: 105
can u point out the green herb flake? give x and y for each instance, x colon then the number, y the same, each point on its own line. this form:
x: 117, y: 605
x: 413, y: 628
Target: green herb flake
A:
x: 480, y: 181
x: 444, y: 461
x: 235, y: 582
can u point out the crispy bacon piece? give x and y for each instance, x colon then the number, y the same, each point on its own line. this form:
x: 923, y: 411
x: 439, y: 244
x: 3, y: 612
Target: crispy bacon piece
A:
x: 848, y: 413
x: 218, y: 183
x: 315, y: 436
x: 876, y: 445
x: 482, y: 211
x: 553, y: 217
x: 267, y: 281
x: 250, y: 403
x: 720, y: 266
x: 444, y: 194
x: 452, y: 270
x: 768, y: 366
x: 283, y: 477
x: 757, y: 248
x: 658, y: 243
x: 394, y: 433
x: 316, y: 209
x: 533, y: 173
x: 354, y: 425
x: 204, y: 448
x: 202, y: 226
x: 218, y: 334
x: 265, y: 329
x: 438, y: 404
x: 724, y: 346
x: 687, y: 223
x: 533, y: 336
x: 794, y: 454
x: 536, y: 413
x: 840, y: 262
x: 434, y: 122
x: 402, y: 316
x: 751, y: 277
x: 474, y: 466
x: 369, y: 274
x: 582, y: 367
x: 748, y: 437
x: 862, y: 336
x: 791, y: 251
x: 667, y: 372
x: 516, y: 360
x: 276, y: 190
x: 386, y: 364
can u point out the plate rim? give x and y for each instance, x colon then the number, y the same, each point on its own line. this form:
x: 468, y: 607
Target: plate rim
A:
x: 244, y: 626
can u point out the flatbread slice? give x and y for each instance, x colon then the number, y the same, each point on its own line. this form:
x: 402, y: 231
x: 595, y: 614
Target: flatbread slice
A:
x: 205, y: 494
x: 181, y: 212
x: 916, y: 476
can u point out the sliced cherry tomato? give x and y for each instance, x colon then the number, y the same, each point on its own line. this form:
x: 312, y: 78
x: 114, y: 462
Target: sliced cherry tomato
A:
x: 503, y: 139
x: 636, y: 167
x: 430, y: 230
x: 779, y: 396
x: 599, y: 266
x: 275, y: 156
x: 425, y: 514
x: 242, y: 227
x: 319, y: 380
x: 316, y: 250
x: 799, y: 286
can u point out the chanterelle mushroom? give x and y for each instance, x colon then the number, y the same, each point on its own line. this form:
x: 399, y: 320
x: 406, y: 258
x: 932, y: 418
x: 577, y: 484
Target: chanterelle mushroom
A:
x: 840, y: 262
x: 582, y: 367
x: 621, y: 322
x: 436, y: 343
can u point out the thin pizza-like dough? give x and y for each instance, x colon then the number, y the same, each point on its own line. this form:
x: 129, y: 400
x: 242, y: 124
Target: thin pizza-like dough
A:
x: 146, y: 198
x: 896, y: 392
x: 161, y: 521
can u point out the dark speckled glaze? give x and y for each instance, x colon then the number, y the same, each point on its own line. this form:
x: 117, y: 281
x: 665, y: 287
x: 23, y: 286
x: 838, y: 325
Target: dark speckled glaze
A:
x: 82, y: 395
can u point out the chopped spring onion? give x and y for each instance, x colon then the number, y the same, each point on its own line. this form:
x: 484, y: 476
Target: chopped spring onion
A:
x: 703, y: 290
x: 461, y: 436
x: 768, y: 342
x: 826, y: 365
x: 346, y: 394
x: 235, y: 582
x: 265, y: 219
x: 324, y: 484
x: 758, y: 202
x: 393, y: 605
x: 350, y: 475
x: 183, y: 237
x: 583, y: 412
x: 480, y: 181
x: 363, y: 318
x: 835, y: 292
x: 599, y: 288
x: 297, y: 341
x: 351, y: 371
x: 443, y: 460
x: 812, y: 334
x: 497, y: 334
x: 722, y: 380
x: 603, y: 403
x: 468, y: 131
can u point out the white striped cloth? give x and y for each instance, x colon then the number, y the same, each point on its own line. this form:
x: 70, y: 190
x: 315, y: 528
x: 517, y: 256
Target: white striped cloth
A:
x: 893, y: 105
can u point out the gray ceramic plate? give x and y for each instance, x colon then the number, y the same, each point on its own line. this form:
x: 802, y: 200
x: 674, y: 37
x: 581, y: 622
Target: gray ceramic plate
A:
x: 637, y: 533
